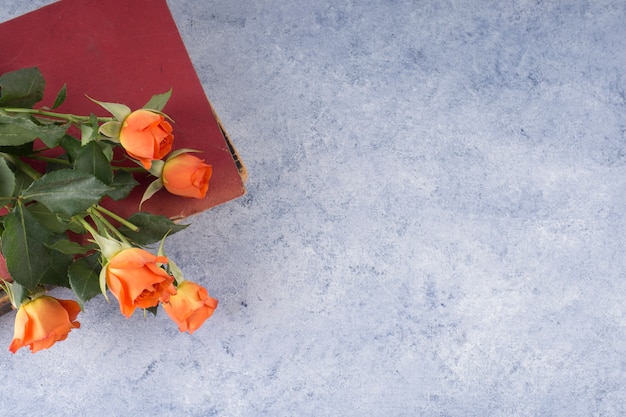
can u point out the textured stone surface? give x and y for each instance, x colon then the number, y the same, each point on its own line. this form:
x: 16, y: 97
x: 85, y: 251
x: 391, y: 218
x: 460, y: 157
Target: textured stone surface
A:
x: 434, y: 222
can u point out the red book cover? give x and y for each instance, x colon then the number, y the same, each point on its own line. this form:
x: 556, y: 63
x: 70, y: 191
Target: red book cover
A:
x: 125, y: 51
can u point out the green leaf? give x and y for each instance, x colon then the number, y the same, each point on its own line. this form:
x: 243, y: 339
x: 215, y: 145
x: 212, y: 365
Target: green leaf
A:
x: 51, y: 135
x: 68, y: 247
x: 19, y: 293
x: 123, y: 183
x: 24, y: 247
x: 22, y: 181
x: 71, y: 145
x: 107, y: 149
x: 89, y: 132
x: 18, y: 130
x: 91, y: 159
x: 86, y: 134
x: 153, y: 310
x: 7, y: 183
x: 84, y: 278
x: 119, y: 111
x: 22, y: 88
x: 67, y: 191
x: 158, y: 101
x: 56, y: 274
x: 13, y: 134
x: 152, y: 228
x: 60, y: 97
x: 55, y: 222
x: 21, y: 150
x: 62, y: 163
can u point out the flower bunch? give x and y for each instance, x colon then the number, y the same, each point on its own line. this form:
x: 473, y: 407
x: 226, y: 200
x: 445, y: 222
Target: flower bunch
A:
x: 58, y: 171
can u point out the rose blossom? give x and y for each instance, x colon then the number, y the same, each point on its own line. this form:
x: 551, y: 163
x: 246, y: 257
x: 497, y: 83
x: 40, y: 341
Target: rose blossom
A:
x: 42, y: 322
x: 136, y: 280
x: 146, y: 135
x: 190, y: 306
x: 186, y: 175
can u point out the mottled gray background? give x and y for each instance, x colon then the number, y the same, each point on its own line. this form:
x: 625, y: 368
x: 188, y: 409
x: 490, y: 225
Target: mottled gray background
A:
x: 434, y: 223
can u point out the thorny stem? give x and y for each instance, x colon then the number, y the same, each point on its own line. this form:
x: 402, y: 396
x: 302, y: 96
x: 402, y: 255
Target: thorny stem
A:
x: 86, y: 225
x: 66, y: 162
x: 108, y: 246
x: 73, y: 118
x: 129, y: 169
x: 24, y: 167
x: 98, y: 217
x: 51, y: 160
x: 117, y: 217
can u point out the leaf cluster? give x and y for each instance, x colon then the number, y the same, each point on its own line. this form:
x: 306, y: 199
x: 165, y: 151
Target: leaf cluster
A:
x: 52, y: 184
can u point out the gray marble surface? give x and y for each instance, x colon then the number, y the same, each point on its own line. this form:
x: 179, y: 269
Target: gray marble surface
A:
x: 434, y: 223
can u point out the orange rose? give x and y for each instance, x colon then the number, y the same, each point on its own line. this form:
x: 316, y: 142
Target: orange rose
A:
x: 190, y: 307
x: 186, y: 175
x: 136, y: 280
x: 42, y: 322
x: 146, y: 135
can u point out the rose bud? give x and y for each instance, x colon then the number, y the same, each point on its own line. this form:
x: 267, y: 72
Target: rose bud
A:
x: 136, y: 280
x: 146, y: 135
x: 186, y: 175
x: 190, y: 306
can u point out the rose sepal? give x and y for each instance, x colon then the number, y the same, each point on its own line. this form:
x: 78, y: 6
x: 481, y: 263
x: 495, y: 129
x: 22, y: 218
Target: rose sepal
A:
x: 151, y: 190
x: 118, y: 110
x: 182, y: 151
x: 158, y: 102
x: 111, y: 130
x: 173, y: 269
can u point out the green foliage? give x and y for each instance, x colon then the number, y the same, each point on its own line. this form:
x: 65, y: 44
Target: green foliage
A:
x: 56, y: 274
x: 7, y: 183
x: 21, y: 150
x: 21, y: 88
x: 53, y: 229
x: 18, y: 130
x: 122, y: 184
x: 68, y: 247
x: 60, y: 97
x: 19, y: 293
x: 84, y: 278
x: 66, y: 191
x: 153, y: 310
x: 152, y: 228
x: 71, y: 145
x: 22, y: 181
x: 91, y: 159
x: 89, y: 130
x: 25, y: 247
x: 55, y: 222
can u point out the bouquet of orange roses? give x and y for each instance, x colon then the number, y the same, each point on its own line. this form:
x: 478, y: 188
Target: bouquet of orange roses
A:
x: 57, y: 171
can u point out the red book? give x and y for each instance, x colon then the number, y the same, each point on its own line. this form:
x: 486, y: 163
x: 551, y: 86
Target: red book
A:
x: 125, y: 51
